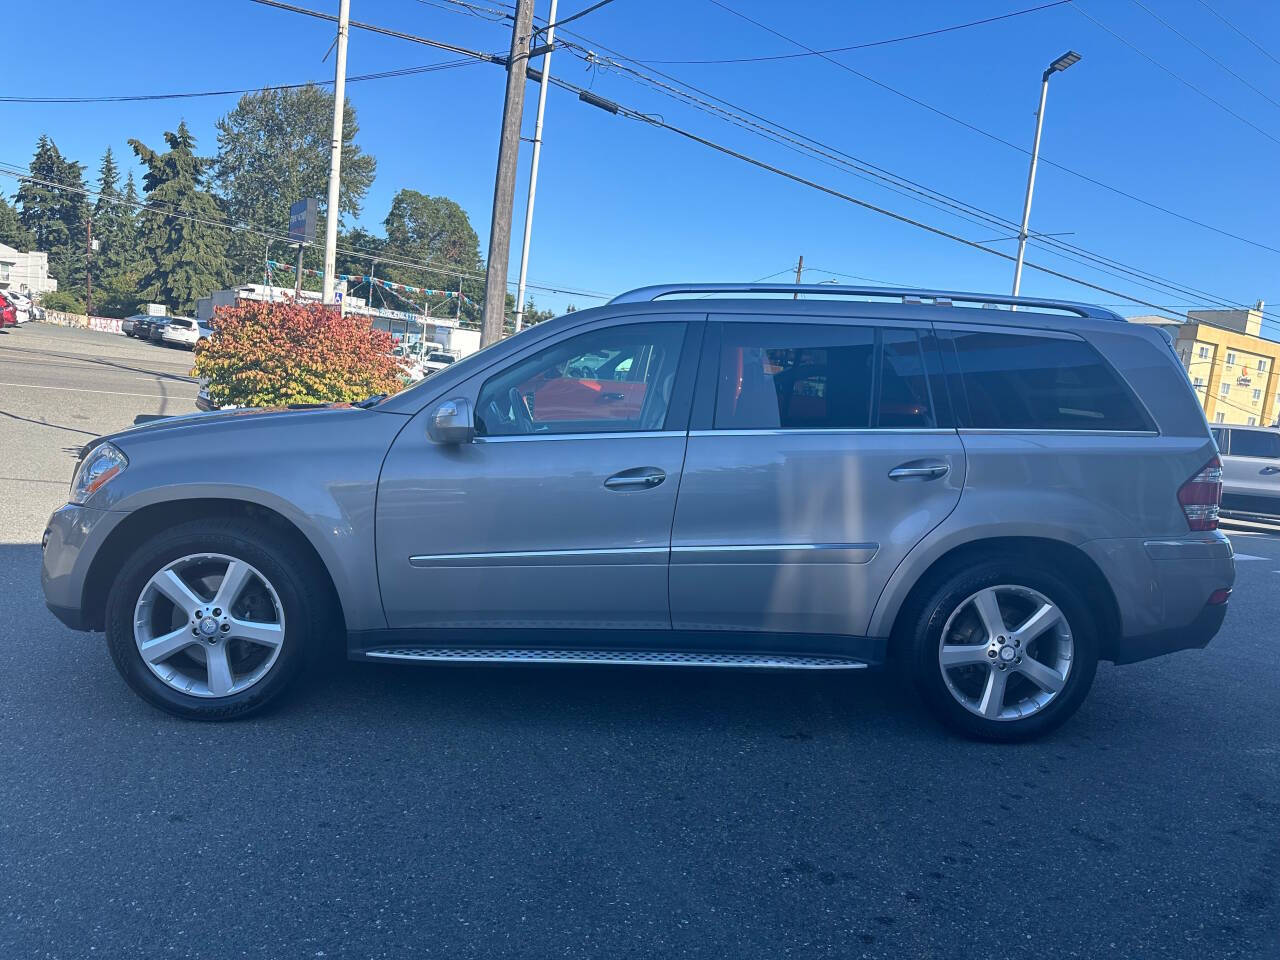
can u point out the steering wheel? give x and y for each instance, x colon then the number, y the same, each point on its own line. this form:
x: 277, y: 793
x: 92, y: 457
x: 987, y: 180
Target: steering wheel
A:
x: 520, y: 410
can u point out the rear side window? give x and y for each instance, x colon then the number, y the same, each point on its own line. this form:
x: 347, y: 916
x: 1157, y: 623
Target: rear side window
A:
x: 1024, y: 382
x: 1255, y: 443
x: 790, y: 376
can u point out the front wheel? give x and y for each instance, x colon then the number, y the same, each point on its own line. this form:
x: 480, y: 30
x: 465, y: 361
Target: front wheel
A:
x: 208, y: 620
x: 1004, y: 651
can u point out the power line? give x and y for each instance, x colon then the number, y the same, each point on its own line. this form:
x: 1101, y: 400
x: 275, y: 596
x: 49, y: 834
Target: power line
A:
x: 1175, y: 30
x: 873, y: 43
x: 1181, y: 79
x: 134, y: 98
x: 580, y: 13
x: 453, y: 270
x: 386, y: 32
x: 865, y: 170
x: 991, y: 136
x: 1261, y: 49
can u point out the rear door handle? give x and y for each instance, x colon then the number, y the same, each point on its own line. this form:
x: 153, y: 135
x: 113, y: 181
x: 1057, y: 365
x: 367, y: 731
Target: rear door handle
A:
x: 637, y: 478
x: 920, y: 471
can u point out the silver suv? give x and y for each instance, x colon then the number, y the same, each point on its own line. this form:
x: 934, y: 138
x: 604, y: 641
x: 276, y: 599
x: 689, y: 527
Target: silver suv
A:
x: 996, y: 499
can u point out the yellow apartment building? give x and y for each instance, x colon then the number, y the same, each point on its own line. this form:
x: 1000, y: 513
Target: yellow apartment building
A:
x: 1231, y: 365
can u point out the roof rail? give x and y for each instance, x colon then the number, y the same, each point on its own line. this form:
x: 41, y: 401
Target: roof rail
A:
x: 905, y: 294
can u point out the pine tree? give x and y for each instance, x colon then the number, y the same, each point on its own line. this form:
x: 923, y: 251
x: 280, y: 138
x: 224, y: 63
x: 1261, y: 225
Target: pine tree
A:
x: 56, y: 213
x: 185, y: 255
x: 117, y: 272
x: 12, y: 232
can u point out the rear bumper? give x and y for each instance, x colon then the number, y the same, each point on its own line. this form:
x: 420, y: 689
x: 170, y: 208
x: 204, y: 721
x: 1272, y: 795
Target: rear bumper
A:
x: 1162, y: 589
x: 1193, y: 636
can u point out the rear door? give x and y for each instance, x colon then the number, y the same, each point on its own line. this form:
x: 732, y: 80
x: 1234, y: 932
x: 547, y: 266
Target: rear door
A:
x: 821, y: 453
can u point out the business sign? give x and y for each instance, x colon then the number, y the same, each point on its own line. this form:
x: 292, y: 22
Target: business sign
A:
x: 302, y: 221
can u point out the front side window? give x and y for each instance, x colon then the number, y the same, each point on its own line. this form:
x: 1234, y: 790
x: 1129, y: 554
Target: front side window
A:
x: 618, y: 379
x: 1255, y: 443
x: 1025, y: 382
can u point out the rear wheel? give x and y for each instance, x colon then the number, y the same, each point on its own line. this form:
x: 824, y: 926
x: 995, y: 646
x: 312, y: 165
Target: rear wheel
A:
x: 1003, y: 650
x: 209, y: 620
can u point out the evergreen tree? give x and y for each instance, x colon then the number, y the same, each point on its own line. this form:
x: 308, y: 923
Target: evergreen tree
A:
x: 56, y: 213
x: 185, y: 254
x: 117, y: 271
x: 12, y: 232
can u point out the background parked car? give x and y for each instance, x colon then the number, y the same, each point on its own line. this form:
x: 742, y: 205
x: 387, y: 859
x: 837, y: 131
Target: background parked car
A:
x: 156, y: 331
x: 8, y: 313
x: 128, y: 325
x: 181, y: 332
x: 142, y: 326
x: 21, y: 304
x: 1250, y: 469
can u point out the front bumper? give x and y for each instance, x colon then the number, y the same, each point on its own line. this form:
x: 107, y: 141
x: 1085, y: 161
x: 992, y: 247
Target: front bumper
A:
x: 72, y: 538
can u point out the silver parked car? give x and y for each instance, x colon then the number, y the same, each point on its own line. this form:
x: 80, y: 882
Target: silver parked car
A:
x: 1250, y: 469
x: 996, y: 499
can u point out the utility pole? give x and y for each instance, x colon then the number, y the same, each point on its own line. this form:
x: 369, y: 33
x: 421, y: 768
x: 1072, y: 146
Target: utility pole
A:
x: 504, y: 187
x: 335, y: 152
x: 533, y: 165
x: 799, y: 274
x: 1062, y: 63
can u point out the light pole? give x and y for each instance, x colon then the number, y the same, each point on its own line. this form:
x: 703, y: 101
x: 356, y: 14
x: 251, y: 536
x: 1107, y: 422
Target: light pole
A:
x: 335, y: 155
x: 533, y: 165
x: 1064, y: 61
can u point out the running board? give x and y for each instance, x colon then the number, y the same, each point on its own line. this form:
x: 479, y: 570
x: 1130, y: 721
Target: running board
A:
x: 770, y: 661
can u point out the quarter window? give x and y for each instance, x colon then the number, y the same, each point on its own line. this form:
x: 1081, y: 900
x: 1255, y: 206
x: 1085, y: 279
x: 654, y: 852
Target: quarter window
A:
x: 618, y: 379
x: 1026, y: 382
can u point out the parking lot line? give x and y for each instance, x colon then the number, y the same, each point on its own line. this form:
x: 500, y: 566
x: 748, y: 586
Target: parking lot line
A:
x: 114, y: 393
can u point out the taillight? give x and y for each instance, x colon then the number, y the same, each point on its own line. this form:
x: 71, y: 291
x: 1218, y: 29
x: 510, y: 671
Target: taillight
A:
x: 1201, y: 495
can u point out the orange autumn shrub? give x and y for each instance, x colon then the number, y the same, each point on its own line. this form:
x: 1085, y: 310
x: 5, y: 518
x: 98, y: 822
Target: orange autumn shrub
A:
x: 272, y: 354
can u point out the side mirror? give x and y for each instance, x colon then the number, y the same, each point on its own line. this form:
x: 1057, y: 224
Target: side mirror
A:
x: 452, y: 422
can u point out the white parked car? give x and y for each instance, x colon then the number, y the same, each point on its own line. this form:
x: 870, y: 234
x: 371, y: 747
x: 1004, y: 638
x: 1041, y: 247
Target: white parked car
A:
x: 436, y: 361
x: 21, y: 304
x: 184, y: 332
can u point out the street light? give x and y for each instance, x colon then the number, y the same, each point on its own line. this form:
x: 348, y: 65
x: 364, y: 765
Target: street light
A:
x: 1062, y: 63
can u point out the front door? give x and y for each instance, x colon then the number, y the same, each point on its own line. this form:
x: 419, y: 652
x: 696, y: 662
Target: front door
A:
x: 559, y: 513
x: 818, y: 458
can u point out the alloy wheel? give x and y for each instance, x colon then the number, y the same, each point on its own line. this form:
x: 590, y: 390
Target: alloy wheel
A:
x: 209, y: 625
x: 1006, y: 652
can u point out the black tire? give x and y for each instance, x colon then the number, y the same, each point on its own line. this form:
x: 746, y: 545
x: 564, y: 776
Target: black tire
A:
x: 297, y: 584
x: 946, y: 594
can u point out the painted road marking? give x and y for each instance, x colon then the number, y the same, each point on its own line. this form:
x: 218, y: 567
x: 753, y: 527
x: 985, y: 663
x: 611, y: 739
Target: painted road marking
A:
x: 114, y: 393
x: 1249, y: 556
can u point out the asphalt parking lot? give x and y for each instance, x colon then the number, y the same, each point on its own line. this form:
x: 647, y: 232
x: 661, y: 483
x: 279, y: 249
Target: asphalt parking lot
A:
x: 574, y: 812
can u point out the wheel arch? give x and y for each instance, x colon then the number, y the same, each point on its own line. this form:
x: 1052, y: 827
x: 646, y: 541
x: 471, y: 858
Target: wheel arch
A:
x: 1057, y: 554
x: 149, y: 520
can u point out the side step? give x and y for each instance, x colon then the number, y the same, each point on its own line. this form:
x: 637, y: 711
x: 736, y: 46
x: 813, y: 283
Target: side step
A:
x: 651, y: 658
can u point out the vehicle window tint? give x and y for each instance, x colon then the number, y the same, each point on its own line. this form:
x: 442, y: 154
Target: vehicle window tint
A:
x: 1024, y: 382
x: 794, y: 377
x: 904, y: 385
x: 1255, y: 443
x: 612, y: 380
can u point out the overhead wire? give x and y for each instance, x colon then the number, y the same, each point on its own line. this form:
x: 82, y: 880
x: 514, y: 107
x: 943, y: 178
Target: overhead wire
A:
x: 1261, y: 49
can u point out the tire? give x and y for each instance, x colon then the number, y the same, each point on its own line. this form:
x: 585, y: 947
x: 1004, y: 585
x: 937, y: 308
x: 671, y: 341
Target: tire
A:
x: 281, y: 599
x: 963, y: 696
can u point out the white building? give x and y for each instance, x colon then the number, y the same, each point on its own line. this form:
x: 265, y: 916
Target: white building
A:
x: 25, y: 272
x: 403, y: 325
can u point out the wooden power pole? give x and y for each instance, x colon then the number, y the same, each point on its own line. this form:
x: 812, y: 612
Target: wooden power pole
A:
x: 504, y: 187
x: 799, y: 274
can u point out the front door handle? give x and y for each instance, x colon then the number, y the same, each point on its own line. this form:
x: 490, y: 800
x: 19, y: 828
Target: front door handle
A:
x: 1266, y: 471
x: 637, y: 478
x: 920, y: 471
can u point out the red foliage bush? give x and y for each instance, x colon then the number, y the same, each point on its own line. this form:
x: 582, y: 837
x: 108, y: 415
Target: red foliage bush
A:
x: 271, y: 354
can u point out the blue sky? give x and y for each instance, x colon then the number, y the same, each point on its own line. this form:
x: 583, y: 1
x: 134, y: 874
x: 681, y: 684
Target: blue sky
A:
x: 622, y: 204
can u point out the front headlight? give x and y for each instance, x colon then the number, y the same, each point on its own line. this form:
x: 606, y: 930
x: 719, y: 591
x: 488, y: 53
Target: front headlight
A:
x: 103, y: 463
